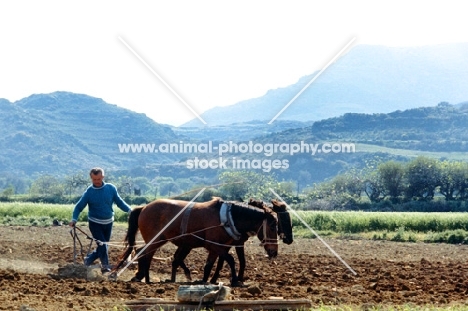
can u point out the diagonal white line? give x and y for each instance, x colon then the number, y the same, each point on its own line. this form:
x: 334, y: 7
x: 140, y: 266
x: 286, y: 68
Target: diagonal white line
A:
x: 160, y: 232
x: 311, y: 81
x: 161, y: 79
x: 315, y: 233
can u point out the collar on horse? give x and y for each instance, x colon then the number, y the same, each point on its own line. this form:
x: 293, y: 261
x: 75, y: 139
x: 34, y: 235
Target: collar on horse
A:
x: 227, y: 222
x: 185, y: 218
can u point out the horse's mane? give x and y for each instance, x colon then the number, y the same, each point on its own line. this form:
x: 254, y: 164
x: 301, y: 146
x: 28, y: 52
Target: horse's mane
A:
x: 252, y: 204
x: 278, y: 205
x: 254, y: 207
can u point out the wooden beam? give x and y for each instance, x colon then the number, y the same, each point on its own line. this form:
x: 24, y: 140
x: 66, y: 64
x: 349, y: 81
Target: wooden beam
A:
x: 223, y: 305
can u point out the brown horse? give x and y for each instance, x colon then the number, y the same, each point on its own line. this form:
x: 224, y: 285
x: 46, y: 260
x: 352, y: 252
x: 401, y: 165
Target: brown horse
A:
x: 284, y: 231
x: 214, y: 225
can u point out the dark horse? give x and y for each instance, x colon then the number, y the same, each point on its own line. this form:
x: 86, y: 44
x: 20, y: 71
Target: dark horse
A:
x: 284, y: 231
x: 214, y: 225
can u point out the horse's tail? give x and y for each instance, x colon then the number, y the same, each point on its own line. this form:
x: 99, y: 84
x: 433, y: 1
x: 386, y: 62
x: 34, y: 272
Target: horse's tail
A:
x: 130, y: 238
x: 133, y: 226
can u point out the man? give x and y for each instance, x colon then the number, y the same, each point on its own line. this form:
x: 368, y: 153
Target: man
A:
x: 99, y: 197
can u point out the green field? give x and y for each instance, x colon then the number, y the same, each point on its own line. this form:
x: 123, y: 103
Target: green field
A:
x: 41, y: 214
x: 452, y: 156
x: 393, y: 226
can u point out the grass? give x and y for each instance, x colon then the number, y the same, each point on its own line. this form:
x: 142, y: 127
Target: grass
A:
x: 42, y: 214
x: 392, y: 226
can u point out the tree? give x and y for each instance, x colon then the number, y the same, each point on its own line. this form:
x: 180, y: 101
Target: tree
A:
x: 76, y: 182
x: 391, y: 178
x: 347, y: 184
x: 169, y: 188
x: 9, y: 179
x: 453, y: 179
x: 143, y: 184
x: 48, y: 185
x: 242, y: 185
x: 423, y: 175
x: 124, y: 185
x: 372, y: 184
x: 303, y: 179
x: 7, y: 192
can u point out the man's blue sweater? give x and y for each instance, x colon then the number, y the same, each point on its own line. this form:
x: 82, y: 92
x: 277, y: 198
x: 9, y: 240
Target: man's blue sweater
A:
x: 100, y: 201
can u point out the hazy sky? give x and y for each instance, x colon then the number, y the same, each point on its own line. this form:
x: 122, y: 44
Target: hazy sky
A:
x: 210, y: 53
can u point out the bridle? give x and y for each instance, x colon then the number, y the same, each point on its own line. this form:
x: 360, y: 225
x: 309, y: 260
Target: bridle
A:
x: 266, y: 240
x: 281, y: 233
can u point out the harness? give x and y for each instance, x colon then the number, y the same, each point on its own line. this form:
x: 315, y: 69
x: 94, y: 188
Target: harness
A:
x: 227, y: 222
x: 185, y: 218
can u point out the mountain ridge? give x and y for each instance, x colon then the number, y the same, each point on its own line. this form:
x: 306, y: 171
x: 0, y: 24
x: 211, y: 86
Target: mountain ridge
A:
x: 82, y: 129
x: 368, y: 79
x: 38, y: 139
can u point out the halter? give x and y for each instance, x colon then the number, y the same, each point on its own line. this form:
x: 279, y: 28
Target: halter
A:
x: 266, y: 240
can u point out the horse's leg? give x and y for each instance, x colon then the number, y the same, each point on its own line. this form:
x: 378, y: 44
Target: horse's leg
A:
x: 212, y: 256
x: 241, y: 256
x: 147, y: 265
x: 140, y: 274
x: 219, y: 266
x: 232, y: 264
x: 144, y: 263
x: 179, y: 257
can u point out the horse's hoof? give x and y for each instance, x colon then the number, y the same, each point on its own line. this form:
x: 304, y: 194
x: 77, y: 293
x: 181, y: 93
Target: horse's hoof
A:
x: 237, y: 284
x: 214, y: 280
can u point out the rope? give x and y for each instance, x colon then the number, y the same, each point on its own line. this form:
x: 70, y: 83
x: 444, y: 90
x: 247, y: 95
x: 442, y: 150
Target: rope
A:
x: 82, y: 252
x: 265, y: 241
x: 179, y: 236
x: 160, y: 232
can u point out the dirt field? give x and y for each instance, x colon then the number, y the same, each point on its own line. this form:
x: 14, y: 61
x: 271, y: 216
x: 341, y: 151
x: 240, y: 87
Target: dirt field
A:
x: 36, y: 273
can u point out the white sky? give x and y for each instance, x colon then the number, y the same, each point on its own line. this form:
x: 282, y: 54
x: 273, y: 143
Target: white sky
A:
x: 211, y: 53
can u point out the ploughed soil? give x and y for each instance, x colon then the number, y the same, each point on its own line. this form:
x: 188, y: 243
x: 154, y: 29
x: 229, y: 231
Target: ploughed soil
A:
x: 38, y: 271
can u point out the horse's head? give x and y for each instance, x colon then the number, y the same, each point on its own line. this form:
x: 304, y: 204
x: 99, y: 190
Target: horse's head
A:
x: 268, y: 233
x: 284, y: 221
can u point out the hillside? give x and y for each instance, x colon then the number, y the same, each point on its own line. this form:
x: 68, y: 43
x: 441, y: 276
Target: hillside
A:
x: 443, y: 128
x: 368, y: 79
x: 64, y: 132
x: 236, y: 131
x: 439, y: 132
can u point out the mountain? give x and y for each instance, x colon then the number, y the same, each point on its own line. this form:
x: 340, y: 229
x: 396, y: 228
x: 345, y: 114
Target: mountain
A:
x: 368, y: 79
x: 64, y: 133
x: 440, y: 129
x: 61, y: 132
x: 246, y: 130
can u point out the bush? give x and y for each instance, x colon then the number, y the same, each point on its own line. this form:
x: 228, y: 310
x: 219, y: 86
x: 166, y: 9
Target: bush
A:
x: 136, y: 200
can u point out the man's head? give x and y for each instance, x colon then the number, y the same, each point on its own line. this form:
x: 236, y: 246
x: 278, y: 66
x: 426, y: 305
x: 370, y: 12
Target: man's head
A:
x: 97, y: 175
